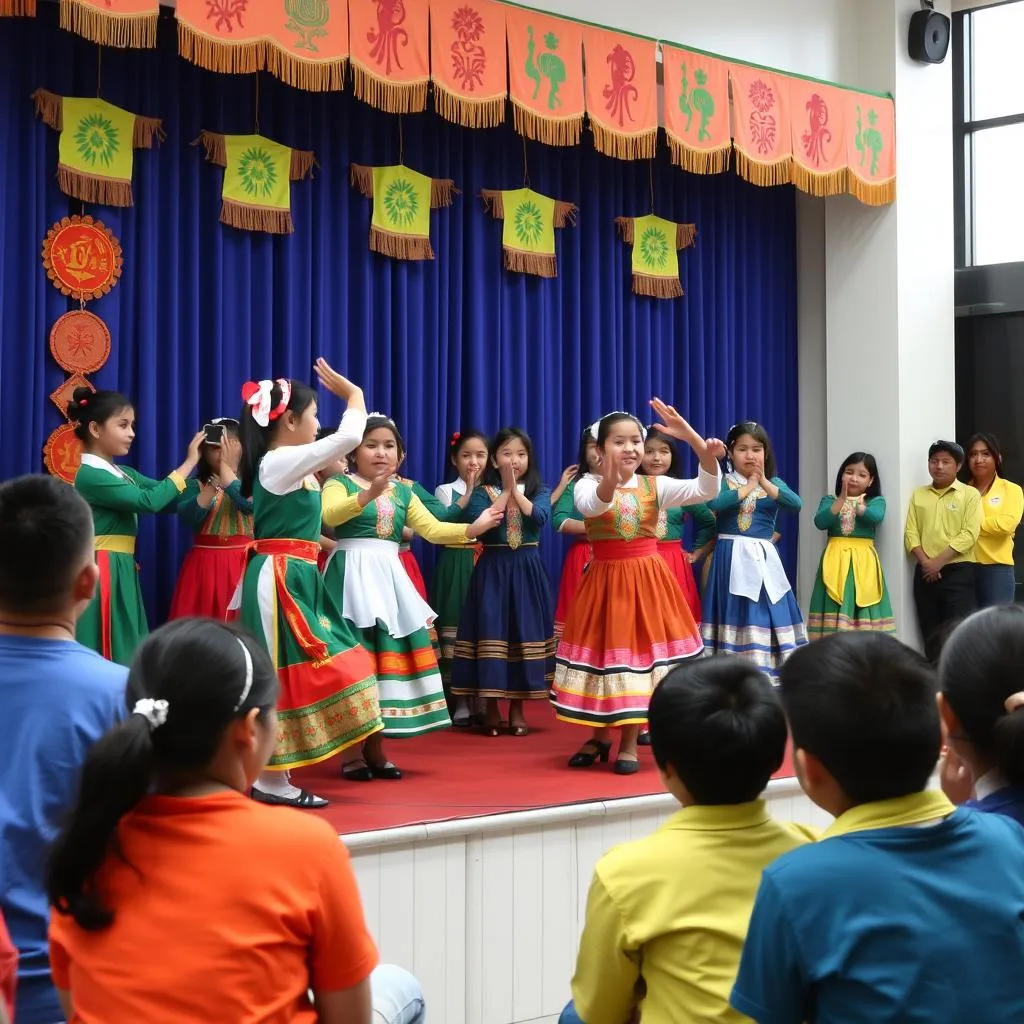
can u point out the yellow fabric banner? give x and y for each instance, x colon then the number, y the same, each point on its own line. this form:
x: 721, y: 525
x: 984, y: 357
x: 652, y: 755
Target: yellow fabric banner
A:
x: 528, y: 232
x: 656, y: 243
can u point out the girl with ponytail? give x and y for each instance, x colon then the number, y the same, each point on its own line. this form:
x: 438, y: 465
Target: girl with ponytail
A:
x: 164, y: 853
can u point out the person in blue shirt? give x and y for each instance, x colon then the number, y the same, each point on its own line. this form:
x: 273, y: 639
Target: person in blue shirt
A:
x: 908, y: 909
x: 982, y: 707
x: 56, y: 699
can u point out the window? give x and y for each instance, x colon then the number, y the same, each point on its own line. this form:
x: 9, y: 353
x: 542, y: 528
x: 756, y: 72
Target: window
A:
x: 989, y: 134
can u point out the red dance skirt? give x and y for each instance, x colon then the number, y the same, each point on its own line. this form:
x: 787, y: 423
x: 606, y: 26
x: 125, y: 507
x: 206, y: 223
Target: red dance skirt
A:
x: 576, y: 559
x: 679, y: 565
x: 209, y: 577
x: 412, y: 567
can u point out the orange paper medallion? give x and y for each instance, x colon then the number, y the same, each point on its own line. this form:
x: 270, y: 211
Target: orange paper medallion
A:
x: 62, y: 396
x: 82, y: 257
x: 80, y: 342
x: 62, y: 453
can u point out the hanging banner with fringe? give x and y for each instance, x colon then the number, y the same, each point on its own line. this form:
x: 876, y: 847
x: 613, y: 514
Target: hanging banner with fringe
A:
x: 402, y: 201
x: 622, y: 93
x: 696, y: 110
x: 656, y: 244
x: 17, y: 8
x: 123, y: 23
x: 390, y: 53
x: 871, y: 148
x: 302, y: 42
x: 528, y: 232
x: 761, y: 127
x: 467, y: 61
x: 817, y: 113
x: 258, y: 174
x: 545, y: 69
x: 95, y: 153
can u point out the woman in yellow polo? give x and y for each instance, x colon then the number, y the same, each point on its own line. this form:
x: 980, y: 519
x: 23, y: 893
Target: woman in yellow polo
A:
x: 1002, y: 505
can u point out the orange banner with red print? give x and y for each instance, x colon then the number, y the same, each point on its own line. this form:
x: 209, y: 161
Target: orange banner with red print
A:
x: 545, y: 70
x: 817, y: 114
x: 871, y: 148
x: 467, y: 61
x: 391, y: 53
x: 622, y: 93
x: 17, y: 8
x: 696, y: 110
x: 124, y: 23
x: 761, y: 130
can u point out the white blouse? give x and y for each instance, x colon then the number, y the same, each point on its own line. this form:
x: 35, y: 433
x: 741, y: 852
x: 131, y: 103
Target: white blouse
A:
x: 671, y: 492
x: 284, y: 469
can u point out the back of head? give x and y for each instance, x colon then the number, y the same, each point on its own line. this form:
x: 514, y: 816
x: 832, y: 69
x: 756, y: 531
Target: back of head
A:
x: 260, y: 418
x: 46, y: 538
x: 863, y: 704
x: 189, y: 680
x: 980, y: 678
x: 718, y: 723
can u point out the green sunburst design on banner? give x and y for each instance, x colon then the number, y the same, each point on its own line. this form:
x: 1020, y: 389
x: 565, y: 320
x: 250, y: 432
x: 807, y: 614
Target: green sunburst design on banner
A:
x: 257, y: 172
x: 97, y: 139
x: 528, y: 222
x: 653, y: 248
x: 401, y: 204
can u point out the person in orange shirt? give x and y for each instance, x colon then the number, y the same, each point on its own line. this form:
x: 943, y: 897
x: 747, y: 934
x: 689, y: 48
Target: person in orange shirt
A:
x: 175, y: 897
x: 8, y: 974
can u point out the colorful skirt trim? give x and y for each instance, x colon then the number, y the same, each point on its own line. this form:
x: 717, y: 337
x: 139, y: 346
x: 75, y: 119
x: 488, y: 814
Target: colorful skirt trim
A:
x: 208, y: 578
x: 627, y: 628
x: 576, y: 560
x: 680, y: 567
x: 851, y: 571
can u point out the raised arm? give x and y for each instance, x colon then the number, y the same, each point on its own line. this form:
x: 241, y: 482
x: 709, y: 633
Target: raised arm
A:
x: 873, y: 511
x: 124, y: 494
x: 284, y: 468
x: 825, y: 518
x: 673, y: 493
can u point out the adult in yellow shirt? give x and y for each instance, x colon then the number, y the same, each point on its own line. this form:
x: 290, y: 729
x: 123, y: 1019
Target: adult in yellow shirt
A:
x: 667, y: 915
x: 943, y: 524
x: 1002, y: 505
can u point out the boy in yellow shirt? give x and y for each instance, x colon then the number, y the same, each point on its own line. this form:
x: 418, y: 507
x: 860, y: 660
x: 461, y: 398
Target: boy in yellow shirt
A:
x: 667, y: 915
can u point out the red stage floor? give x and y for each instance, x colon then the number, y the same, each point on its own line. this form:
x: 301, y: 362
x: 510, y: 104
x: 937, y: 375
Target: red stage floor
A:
x: 458, y: 773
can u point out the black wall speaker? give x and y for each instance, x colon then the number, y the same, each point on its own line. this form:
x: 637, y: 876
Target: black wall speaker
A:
x: 929, y: 37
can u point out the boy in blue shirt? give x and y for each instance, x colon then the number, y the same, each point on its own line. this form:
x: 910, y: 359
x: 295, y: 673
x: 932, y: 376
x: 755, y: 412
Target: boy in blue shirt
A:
x: 908, y: 910
x: 56, y: 699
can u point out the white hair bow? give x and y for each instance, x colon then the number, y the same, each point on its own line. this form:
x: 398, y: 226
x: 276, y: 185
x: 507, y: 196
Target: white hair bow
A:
x: 153, y: 711
x: 257, y: 395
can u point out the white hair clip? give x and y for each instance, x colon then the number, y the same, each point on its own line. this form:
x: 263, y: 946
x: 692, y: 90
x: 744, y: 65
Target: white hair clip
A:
x: 381, y: 416
x: 622, y: 412
x: 593, y: 428
x: 153, y: 711
x: 247, y: 686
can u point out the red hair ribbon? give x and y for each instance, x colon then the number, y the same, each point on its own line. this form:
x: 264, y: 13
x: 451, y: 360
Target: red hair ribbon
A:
x: 455, y: 438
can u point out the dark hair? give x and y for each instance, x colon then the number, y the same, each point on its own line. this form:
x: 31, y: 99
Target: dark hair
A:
x: 607, y: 422
x: 758, y: 433
x: 951, y: 448
x: 88, y: 406
x: 199, y: 668
x: 204, y: 470
x: 256, y: 439
x: 46, y: 538
x: 530, y: 480
x: 586, y: 439
x: 454, y: 446
x: 979, y: 669
x: 864, y: 705
x: 718, y: 723
x: 375, y: 422
x: 675, y: 468
x: 991, y: 442
x: 875, y: 487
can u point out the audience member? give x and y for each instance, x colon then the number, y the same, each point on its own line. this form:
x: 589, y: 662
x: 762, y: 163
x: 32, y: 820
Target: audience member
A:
x: 907, y: 909
x: 57, y: 698
x: 8, y: 974
x: 667, y: 914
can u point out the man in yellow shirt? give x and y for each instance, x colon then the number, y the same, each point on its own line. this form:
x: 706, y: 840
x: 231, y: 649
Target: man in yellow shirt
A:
x: 667, y: 915
x: 943, y: 523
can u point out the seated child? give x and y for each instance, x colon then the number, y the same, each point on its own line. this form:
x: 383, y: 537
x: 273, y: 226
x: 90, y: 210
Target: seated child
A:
x: 908, y: 909
x: 667, y: 914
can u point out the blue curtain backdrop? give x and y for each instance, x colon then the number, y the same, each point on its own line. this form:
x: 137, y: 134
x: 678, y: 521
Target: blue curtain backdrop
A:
x: 454, y: 342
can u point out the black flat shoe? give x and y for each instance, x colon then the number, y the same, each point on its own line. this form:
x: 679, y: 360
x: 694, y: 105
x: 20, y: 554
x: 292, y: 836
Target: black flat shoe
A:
x: 599, y: 750
x: 623, y: 766
x: 357, y: 771
x: 644, y: 739
x: 305, y: 799
x: 384, y: 771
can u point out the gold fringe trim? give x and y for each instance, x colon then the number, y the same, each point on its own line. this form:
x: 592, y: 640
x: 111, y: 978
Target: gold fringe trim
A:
x: 361, y: 178
x: 686, y: 235
x: 309, y: 75
x: 540, y: 264
x: 247, y: 217
x: 92, y: 188
x: 49, y: 108
x: 215, y: 54
x: 470, y: 113
x: 215, y: 146
x: 564, y: 131
x: 765, y: 175
x: 146, y: 129
x: 17, y: 8
x: 872, y: 193
x: 657, y: 287
x: 698, y: 161
x: 400, y: 247
x: 832, y: 183
x: 625, y: 226
x: 391, y: 97
x: 137, y: 31
x: 494, y: 202
x: 565, y: 213
x: 303, y: 162
x: 641, y: 146
x: 442, y: 192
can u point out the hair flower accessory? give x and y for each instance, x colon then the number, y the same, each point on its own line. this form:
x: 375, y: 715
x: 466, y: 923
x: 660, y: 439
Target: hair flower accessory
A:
x: 455, y: 438
x: 258, y: 396
x: 153, y: 711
